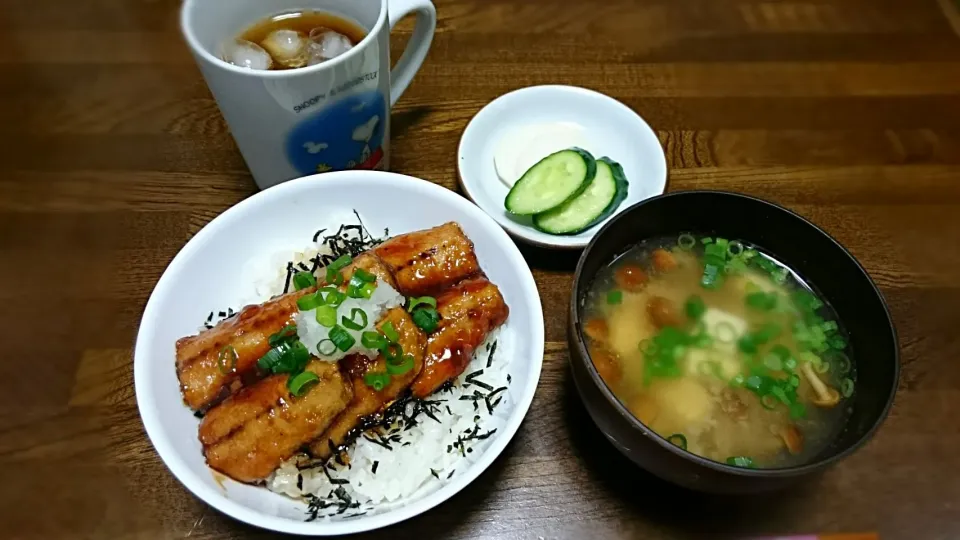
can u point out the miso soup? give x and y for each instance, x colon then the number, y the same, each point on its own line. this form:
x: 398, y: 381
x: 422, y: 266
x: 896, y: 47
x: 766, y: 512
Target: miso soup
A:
x: 721, y: 350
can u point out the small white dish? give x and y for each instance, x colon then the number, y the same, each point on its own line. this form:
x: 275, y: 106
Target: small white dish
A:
x: 212, y: 272
x: 611, y: 128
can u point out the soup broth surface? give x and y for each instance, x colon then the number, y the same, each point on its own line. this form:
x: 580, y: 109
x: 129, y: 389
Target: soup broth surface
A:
x: 721, y: 350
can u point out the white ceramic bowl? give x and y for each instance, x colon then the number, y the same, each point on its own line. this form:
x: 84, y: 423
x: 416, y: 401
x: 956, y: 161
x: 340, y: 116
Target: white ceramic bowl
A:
x: 207, y: 275
x: 613, y: 130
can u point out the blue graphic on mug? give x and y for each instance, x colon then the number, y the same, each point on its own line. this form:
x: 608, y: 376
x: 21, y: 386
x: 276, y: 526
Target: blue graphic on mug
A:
x: 345, y: 135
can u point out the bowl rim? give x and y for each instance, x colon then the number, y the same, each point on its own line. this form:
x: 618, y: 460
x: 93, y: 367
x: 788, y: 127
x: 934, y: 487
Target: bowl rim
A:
x: 576, y: 334
x: 175, y: 462
x: 523, y: 232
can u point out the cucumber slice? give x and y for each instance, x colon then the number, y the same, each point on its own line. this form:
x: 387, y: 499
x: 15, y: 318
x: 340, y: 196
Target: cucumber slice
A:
x: 553, y: 180
x: 599, y: 200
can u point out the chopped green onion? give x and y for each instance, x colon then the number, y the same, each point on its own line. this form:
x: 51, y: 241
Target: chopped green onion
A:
x: 806, y: 301
x: 678, y: 439
x: 327, y: 316
x: 268, y: 360
x: 405, y: 365
x: 768, y: 401
x: 415, y: 301
x: 724, y: 332
x: 336, y: 279
x: 373, y: 340
x: 846, y: 387
x: 837, y: 342
x: 822, y: 367
x: 341, y: 338
x: 367, y: 290
x: 695, y: 307
x: 797, y: 410
x: 711, y: 275
x: 393, y: 352
x: 326, y: 347
x: 747, y: 344
x: 766, y: 332
x: 735, y: 248
x: 299, y: 383
x: 287, y: 357
x: 738, y: 380
x: 780, y: 351
x: 761, y: 301
x: 740, y: 461
x: 686, y: 241
x: 794, y: 380
x: 773, y: 362
x: 364, y: 276
x: 283, y: 335
x: 790, y: 364
x: 706, y: 240
x: 842, y: 361
x: 426, y: 318
x: 330, y: 296
x: 614, y: 297
x: 333, y: 269
x: 377, y: 381
x: 780, y: 394
x: 303, y: 280
x: 389, y: 331
x: 309, y: 301
x: 753, y: 383
x: 360, y: 289
x: 297, y: 357
x: 700, y: 339
x: 352, y: 322
x: 227, y: 359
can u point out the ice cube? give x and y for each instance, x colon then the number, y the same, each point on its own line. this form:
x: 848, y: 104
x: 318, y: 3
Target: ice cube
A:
x: 287, y: 47
x: 326, y: 44
x: 243, y: 53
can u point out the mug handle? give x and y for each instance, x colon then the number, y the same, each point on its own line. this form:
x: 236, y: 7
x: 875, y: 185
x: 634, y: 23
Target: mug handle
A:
x: 417, y: 47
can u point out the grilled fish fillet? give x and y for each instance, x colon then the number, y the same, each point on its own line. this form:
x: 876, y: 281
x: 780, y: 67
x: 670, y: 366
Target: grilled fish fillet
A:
x: 252, y: 432
x: 468, y: 313
x: 429, y: 261
x: 204, y: 380
x: 366, y: 401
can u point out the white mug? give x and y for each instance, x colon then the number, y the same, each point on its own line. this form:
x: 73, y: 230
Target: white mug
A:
x: 330, y: 116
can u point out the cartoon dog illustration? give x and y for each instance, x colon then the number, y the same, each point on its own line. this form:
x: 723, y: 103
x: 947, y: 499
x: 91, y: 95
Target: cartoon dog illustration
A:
x: 363, y: 133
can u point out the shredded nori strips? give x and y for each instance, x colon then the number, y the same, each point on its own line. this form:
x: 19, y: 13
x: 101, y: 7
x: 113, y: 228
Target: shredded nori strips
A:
x: 472, y: 379
x: 493, y: 350
x: 376, y: 464
x: 378, y: 441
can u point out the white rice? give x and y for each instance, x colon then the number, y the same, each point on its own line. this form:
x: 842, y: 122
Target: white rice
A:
x: 429, y: 444
x: 412, y: 460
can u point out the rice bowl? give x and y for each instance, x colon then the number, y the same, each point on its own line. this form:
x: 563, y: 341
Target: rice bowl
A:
x: 384, y: 483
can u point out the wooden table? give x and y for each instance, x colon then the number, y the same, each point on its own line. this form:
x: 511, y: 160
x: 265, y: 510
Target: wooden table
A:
x: 114, y: 154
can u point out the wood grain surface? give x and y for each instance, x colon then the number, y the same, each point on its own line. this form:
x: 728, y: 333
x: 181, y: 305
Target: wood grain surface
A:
x: 113, y: 153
